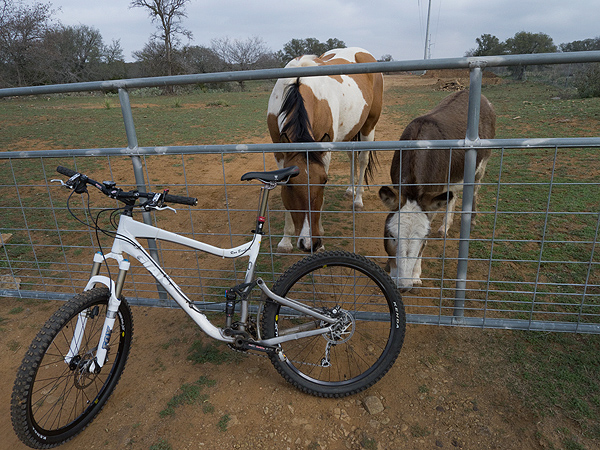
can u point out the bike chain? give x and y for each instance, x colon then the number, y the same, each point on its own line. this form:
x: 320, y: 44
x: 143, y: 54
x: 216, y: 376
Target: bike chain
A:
x: 324, y: 361
x: 260, y: 355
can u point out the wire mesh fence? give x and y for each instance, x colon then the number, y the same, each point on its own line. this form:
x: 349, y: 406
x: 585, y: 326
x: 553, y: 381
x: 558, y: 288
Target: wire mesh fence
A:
x: 533, y: 259
x: 532, y: 262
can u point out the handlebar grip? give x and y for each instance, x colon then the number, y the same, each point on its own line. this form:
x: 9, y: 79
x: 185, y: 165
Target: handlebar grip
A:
x: 182, y: 200
x: 65, y: 171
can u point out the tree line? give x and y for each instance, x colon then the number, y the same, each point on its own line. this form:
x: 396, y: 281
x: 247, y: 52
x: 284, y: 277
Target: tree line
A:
x: 585, y: 77
x: 35, y: 49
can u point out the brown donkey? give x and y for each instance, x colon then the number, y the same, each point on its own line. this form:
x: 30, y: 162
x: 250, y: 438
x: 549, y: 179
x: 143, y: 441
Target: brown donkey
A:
x: 431, y: 180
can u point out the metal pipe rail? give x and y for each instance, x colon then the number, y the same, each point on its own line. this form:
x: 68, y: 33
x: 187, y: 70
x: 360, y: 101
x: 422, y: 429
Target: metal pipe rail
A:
x: 266, y: 74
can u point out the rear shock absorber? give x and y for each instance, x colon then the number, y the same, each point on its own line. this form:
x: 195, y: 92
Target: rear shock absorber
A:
x: 230, y: 299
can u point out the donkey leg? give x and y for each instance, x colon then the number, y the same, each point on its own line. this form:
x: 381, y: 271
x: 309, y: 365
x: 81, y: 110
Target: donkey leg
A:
x: 448, y: 217
x: 474, y: 213
x: 285, y: 245
x: 479, y: 173
x: 417, y: 282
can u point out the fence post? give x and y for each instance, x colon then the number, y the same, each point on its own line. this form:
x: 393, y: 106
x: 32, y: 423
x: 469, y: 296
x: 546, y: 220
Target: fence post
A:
x: 471, y: 137
x: 132, y: 143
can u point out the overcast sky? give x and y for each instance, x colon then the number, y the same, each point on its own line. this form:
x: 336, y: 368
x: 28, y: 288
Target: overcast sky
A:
x: 380, y: 26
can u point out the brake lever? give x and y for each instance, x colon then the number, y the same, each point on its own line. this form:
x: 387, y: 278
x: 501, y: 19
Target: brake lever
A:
x: 62, y: 183
x: 157, y: 202
x: 162, y: 208
x: 76, y: 182
x: 150, y: 205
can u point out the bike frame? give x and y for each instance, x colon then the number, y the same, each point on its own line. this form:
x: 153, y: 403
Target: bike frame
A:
x: 126, y: 242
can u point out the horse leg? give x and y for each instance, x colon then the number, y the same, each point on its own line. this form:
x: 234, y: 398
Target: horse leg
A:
x: 353, y: 173
x: 285, y: 245
x: 363, y: 159
x: 359, y: 162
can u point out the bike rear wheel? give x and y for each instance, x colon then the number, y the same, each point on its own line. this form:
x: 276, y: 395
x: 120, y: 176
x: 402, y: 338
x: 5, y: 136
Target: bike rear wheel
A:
x: 53, y: 400
x: 359, y: 353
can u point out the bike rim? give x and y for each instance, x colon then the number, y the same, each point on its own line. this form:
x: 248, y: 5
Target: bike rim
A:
x: 367, y: 293
x: 68, y: 392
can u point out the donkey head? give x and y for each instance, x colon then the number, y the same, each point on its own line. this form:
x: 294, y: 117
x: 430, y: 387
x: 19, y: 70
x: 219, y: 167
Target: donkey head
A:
x: 405, y: 234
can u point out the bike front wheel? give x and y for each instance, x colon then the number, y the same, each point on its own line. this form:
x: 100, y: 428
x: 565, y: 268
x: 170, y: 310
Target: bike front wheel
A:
x: 369, y: 335
x: 55, y: 397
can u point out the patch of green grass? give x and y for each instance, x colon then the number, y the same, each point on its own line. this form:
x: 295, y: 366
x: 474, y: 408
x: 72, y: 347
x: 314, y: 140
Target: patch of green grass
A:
x: 555, y: 372
x: 200, y: 353
x: 217, y: 103
x: 571, y: 444
x: 16, y: 310
x: 419, y: 431
x: 223, y: 421
x: 189, y: 394
x: 162, y: 444
x: 170, y: 342
x: 368, y: 443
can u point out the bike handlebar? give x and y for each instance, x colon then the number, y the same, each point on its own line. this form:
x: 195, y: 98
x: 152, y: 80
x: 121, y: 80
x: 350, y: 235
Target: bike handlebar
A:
x: 129, y: 197
x: 65, y: 171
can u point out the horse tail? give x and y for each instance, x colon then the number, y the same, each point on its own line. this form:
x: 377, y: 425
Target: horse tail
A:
x: 297, y: 125
x: 371, y: 166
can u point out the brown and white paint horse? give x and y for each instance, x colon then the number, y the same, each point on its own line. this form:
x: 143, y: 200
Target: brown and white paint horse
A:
x: 431, y: 180
x: 322, y: 109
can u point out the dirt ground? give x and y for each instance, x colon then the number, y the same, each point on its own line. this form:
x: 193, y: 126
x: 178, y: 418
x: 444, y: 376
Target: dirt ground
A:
x: 443, y: 392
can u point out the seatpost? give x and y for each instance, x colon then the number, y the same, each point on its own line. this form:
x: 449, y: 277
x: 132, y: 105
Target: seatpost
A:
x: 262, y: 209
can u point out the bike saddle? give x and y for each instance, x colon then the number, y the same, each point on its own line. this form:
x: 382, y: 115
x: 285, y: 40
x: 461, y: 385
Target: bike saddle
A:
x: 278, y: 176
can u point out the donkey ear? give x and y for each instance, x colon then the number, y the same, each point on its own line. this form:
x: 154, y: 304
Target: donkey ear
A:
x: 440, y: 201
x: 326, y: 138
x: 284, y: 139
x: 389, y: 197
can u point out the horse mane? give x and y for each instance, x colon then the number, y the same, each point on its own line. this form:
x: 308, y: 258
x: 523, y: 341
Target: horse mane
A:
x: 297, y: 124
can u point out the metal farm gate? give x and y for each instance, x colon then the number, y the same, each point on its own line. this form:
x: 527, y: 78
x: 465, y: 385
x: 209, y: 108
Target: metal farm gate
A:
x: 531, y: 263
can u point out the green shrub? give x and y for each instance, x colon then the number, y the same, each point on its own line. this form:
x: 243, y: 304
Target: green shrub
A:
x: 587, y: 80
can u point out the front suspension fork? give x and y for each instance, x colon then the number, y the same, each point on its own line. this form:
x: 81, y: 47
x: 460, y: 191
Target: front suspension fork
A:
x: 111, y: 313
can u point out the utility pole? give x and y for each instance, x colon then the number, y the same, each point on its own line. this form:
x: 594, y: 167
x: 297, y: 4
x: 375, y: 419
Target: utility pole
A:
x: 426, y: 53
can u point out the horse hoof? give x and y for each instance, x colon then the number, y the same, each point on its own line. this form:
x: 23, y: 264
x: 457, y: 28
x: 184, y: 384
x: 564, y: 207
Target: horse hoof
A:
x: 284, y: 249
x: 358, y: 206
x: 442, y: 232
x: 348, y: 194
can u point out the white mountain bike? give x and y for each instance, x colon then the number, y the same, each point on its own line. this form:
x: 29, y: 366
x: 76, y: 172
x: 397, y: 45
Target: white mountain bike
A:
x: 332, y: 325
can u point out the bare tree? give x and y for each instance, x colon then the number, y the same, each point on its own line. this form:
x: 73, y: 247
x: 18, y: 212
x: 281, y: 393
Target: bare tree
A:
x: 73, y: 54
x: 240, y: 55
x: 22, y: 28
x: 168, y: 15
